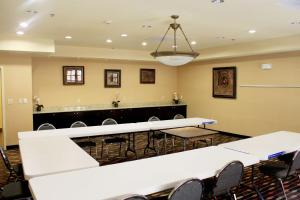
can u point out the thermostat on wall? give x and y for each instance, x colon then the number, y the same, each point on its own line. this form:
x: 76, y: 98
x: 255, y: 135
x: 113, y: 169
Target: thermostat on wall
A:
x: 266, y: 66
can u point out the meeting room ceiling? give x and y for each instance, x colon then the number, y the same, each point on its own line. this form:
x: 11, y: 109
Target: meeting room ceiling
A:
x: 93, y: 22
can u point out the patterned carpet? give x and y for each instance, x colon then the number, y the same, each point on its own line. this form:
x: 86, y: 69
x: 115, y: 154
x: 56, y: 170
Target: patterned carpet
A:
x: 269, y: 188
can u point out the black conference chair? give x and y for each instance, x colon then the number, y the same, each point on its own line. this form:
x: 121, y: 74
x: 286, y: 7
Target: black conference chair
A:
x: 226, y: 180
x: 282, y: 170
x: 178, y: 116
x: 136, y: 197
x: 191, y: 189
x: 157, y: 137
x: 15, y: 171
x: 45, y: 126
x: 16, y: 191
x: 112, y: 139
x: 84, y: 143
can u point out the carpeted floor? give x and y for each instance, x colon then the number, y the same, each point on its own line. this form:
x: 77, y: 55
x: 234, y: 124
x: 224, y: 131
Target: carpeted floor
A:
x: 269, y: 188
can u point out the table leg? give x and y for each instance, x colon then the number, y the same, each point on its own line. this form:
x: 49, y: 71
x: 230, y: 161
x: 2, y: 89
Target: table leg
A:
x: 253, y: 186
x: 133, y: 150
x: 148, y: 144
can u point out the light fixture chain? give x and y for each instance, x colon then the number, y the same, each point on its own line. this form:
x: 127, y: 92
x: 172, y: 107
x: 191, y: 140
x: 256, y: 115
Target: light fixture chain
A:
x: 186, y: 38
x: 175, y: 42
x: 163, y: 39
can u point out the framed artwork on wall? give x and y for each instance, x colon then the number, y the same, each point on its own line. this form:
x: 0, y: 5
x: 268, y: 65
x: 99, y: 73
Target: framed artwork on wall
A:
x: 147, y: 76
x: 224, y: 82
x: 73, y: 75
x: 112, y: 78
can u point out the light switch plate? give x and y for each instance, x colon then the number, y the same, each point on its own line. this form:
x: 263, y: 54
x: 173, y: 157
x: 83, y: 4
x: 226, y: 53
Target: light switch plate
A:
x: 10, y: 101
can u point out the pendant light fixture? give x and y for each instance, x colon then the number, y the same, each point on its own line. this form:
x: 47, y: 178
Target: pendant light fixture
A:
x: 174, y: 57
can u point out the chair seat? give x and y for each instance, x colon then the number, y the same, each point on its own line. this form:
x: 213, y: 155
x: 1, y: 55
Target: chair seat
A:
x: 276, y: 169
x: 287, y: 158
x: 86, y: 144
x: 115, y: 140
x: 18, y: 169
x: 15, y: 190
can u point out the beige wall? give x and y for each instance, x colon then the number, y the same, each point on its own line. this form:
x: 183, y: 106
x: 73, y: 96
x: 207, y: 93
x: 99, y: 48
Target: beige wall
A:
x: 256, y: 110
x: 47, y: 82
x: 17, y: 77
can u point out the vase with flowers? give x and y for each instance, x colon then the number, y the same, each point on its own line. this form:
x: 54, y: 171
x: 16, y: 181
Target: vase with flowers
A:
x: 116, y: 101
x: 38, y: 106
x: 176, y: 100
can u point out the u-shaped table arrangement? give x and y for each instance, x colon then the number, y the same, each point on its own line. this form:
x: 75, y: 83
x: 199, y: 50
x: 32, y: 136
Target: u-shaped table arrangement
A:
x: 59, y: 169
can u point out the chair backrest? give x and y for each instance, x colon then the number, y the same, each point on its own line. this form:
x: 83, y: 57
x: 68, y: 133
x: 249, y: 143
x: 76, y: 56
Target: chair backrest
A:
x: 78, y: 124
x: 191, y: 189
x: 295, y: 164
x: 136, y: 197
x: 45, y: 126
x: 153, y: 118
x: 178, y: 116
x: 109, y: 121
x: 5, y: 159
x: 230, y: 176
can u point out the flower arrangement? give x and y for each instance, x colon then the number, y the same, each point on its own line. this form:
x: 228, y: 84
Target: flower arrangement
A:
x: 38, y: 106
x: 176, y: 100
x: 116, y: 101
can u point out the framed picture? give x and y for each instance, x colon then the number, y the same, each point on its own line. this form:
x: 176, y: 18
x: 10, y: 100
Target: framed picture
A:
x: 147, y: 76
x: 224, y: 82
x: 112, y: 78
x: 73, y: 75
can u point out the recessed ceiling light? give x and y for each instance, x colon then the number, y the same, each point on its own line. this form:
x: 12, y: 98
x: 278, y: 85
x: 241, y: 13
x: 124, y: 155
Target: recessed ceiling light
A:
x: 108, y: 21
x: 20, y: 33
x: 109, y: 41
x: 252, y: 31
x: 193, y: 42
x: 144, y: 43
x: 23, y: 24
x: 68, y: 37
x: 124, y: 35
x: 217, y: 1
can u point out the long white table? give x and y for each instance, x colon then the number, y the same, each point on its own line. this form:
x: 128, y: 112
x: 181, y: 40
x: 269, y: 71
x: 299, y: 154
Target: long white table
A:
x: 117, y: 129
x: 267, y: 146
x: 143, y: 176
x: 178, y: 123
x: 48, y: 155
x: 86, y: 131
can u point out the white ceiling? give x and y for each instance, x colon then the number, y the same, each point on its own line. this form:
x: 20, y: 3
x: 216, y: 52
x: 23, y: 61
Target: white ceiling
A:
x: 202, y: 21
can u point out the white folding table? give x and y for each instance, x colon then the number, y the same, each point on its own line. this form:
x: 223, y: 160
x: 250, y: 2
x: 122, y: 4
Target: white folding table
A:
x: 145, y: 176
x: 187, y: 133
x: 267, y: 146
x: 87, y: 131
x: 53, y: 154
x: 175, y: 123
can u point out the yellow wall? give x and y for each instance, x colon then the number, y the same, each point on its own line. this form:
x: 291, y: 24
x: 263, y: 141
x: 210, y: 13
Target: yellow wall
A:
x: 17, y: 77
x: 47, y: 82
x: 256, y: 110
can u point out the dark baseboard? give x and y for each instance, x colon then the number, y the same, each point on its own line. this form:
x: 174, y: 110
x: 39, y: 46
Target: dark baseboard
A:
x: 10, y: 147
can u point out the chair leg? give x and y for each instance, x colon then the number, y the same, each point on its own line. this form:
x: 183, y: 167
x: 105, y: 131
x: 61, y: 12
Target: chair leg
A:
x: 102, y: 144
x: 96, y: 150
x: 120, y: 149
x: 234, y: 196
x: 158, y: 147
x: 173, y: 143
x: 282, y: 187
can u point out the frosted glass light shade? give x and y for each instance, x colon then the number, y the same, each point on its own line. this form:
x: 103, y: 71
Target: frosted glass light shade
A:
x: 174, y: 59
